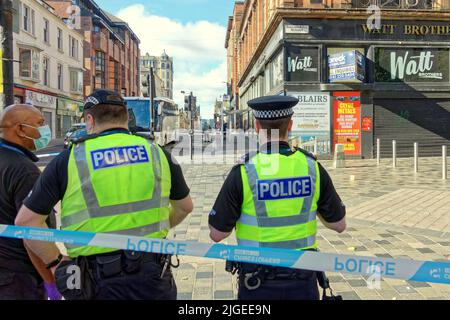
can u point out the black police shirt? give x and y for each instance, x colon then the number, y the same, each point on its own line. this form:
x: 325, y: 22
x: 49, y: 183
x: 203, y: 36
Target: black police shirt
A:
x: 52, y: 185
x: 227, y: 208
x: 18, y: 174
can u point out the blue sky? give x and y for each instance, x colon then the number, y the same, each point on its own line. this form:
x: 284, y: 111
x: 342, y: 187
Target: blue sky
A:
x: 192, y: 32
x: 179, y: 10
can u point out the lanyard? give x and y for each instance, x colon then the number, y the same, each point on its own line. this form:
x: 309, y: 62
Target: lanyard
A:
x: 11, y: 148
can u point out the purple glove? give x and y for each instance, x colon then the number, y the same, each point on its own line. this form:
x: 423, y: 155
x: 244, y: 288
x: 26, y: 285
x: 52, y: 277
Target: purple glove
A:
x: 52, y: 291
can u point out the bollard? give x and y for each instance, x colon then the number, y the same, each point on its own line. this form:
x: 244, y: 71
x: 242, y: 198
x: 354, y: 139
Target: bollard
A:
x: 378, y: 152
x: 416, y: 157
x: 444, y: 162
x: 339, y: 156
x: 394, y: 153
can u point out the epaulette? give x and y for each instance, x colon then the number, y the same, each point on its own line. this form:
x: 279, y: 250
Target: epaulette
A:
x: 145, y: 135
x: 85, y: 138
x: 306, y: 153
x: 246, y: 158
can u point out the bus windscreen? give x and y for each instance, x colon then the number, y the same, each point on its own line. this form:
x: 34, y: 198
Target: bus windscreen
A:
x: 139, y: 115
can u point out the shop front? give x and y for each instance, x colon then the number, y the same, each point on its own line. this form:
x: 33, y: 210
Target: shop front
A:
x: 68, y: 113
x: 357, y: 85
x: 46, y: 104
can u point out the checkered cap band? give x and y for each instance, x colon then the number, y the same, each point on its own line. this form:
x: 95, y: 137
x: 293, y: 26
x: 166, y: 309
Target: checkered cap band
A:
x: 273, y: 114
x: 92, y: 100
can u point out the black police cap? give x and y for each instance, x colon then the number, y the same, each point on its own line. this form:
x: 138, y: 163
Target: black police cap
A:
x: 273, y: 107
x: 103, y: 96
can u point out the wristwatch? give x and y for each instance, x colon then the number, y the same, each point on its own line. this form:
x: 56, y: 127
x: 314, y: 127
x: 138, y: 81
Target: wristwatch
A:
x: 55, y: 262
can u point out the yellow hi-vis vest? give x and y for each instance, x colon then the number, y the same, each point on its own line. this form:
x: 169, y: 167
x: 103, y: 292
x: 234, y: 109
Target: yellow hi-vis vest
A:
x: 280, y: 201
x: 118, y: 184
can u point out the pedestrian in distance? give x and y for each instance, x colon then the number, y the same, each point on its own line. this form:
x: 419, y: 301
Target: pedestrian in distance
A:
x: 110, y: 182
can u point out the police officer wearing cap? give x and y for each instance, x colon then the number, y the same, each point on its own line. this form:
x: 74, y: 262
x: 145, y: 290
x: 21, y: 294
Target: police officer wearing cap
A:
x: 110, y: 182
x: 273, y: 198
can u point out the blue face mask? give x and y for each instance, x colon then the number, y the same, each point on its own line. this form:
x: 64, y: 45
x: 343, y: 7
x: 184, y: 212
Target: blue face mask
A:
x: 45, y: 138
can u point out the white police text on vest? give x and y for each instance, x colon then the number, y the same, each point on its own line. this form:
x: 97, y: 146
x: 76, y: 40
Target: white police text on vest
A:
x: 277, y: 189
x: 119, y: 156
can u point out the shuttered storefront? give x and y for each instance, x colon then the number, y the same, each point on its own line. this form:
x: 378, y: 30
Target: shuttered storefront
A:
x: 426, y: 121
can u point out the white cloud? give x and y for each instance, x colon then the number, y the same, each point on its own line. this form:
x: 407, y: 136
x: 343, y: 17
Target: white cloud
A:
x: 197, y: 48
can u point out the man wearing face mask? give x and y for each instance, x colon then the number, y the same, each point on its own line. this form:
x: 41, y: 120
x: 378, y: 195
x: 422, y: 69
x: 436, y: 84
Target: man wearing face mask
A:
x: 110, y: 182
x: 22, y: 131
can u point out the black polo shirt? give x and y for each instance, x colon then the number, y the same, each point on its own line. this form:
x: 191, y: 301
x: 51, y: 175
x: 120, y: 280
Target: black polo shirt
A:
x: 18, y: 174
x: 52, y: 185
x: 227, y: 208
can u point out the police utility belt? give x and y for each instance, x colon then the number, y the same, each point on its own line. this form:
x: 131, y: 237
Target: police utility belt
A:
x: 104, y: 266
x: 255, y: 275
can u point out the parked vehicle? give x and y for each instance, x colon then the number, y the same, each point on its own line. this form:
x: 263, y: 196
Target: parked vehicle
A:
x: 76, y: 132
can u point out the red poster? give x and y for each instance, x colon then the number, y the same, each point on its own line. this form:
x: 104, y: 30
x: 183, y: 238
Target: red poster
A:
x: 367, y: 124
x: 347, y: 121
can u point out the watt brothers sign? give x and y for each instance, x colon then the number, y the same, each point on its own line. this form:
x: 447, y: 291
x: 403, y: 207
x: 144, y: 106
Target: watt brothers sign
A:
x: 396, y: 30
x: 412, y: 65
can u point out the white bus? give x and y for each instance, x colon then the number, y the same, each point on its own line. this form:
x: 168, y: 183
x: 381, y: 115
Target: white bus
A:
x: 166, y: 121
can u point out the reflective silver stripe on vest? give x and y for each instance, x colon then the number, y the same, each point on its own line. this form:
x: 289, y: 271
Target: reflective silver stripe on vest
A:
x: 252, y: 178
x: 94, y: 210
x: 291, y: 244
x: 276, y: 221
x: 307, y: 202
x: 138, y: 232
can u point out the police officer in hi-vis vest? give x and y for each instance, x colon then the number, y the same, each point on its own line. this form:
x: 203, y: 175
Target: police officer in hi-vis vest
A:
x: 110, y: 182
x: 272, y: 199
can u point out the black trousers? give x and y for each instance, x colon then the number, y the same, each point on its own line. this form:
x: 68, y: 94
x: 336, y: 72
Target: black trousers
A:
x: 20, y: 286
x: 304, y: 287
x: 144, y: 285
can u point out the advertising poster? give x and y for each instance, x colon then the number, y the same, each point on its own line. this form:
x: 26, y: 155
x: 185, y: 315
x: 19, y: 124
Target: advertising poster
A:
x: 347, y: 121
x: 347, y: 66
x: 302, y: 64
x: 312, y: 114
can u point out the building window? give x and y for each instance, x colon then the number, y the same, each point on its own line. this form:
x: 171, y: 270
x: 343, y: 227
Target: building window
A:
x: 60, y: 76
x: 76, y: 81
x: 97, y: 29
x: 116, y: 76
x: 163, y: 65
x: 46, y: 71
x: 73, y: 47
x: 29, y: 64
x: 100, y: 67
x: 46, y: 31
x: 28, y: 19
x: 60, y: 39
x: 276, y: 70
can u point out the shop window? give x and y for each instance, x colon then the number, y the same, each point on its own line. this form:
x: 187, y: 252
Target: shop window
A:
x: 276, y: 70
x: 303, y: 64
x: 29, y: 64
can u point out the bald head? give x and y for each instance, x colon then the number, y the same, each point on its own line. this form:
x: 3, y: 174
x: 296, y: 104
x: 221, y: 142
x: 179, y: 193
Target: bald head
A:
x: 18, y: 123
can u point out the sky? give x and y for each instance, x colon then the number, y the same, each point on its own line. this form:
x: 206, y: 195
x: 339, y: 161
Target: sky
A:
x: 192, y: 32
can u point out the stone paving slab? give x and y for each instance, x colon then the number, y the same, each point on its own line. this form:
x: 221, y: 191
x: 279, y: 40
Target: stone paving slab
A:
x: 415, y: 226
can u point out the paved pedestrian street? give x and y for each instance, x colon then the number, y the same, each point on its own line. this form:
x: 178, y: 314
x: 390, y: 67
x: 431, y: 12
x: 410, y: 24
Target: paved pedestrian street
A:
x: 391, y: 213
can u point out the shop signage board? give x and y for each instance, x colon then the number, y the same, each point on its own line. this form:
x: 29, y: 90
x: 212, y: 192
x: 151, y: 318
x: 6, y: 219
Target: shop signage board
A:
x: 302, y: 64
x: 347, y: 121
x: 412, y: 65
x: 348, y: 66
x: 40, y: 99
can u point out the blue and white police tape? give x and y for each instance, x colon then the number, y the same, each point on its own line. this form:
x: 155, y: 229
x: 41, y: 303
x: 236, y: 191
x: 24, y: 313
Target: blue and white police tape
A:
x: 421, y: 271
x: 48, y: 155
